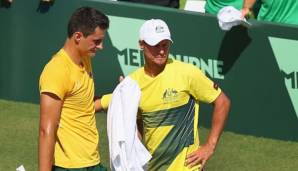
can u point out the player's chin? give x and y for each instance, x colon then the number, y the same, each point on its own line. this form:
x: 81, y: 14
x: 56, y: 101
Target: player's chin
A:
x: 161, y: 61
x: 92, y: 54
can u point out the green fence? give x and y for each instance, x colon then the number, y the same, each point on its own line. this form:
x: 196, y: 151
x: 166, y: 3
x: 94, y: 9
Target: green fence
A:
x: 256, y: 67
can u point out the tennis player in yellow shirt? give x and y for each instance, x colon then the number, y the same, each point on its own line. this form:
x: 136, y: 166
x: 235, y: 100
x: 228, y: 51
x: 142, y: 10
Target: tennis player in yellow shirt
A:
x: 68, y: 137
x: 169, y: 107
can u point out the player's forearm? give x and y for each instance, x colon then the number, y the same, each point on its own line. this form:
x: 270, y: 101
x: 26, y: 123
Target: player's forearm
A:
x: 46, y: 149
x: 248, y: 4
x: 220, y: 114
x: 97, y: 104
x: 50, y: 111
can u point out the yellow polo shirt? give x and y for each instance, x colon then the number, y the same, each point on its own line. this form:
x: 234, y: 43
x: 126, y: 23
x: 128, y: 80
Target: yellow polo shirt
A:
x: 77, y: 135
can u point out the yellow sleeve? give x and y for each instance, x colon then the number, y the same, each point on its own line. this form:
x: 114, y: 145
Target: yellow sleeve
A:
x: 201, y: 87
x: 105, y: 101
x: 53, y: 80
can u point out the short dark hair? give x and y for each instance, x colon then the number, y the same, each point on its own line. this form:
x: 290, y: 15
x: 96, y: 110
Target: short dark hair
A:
x: 85, y: 20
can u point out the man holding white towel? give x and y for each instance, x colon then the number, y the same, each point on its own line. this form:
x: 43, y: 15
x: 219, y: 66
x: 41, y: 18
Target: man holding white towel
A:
x: 168, y: 110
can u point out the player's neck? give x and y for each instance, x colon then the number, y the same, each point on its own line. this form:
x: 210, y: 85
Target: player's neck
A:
x: 72, y: 52
x: 153, y: 71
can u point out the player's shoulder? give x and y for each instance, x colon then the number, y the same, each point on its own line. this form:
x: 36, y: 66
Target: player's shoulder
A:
x: 57, y: 63
x: 137, y: 73
x: 60, y: 58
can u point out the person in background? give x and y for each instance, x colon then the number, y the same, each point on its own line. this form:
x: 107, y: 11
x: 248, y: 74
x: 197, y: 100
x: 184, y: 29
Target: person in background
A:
x: 281, y: 11
x: 169, y: 106
x: 68, y: 137
x: 213, y: 6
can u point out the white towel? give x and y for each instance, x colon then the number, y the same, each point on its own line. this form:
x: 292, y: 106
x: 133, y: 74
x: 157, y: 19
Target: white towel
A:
x: 229, y: 17
x: 127, y: 153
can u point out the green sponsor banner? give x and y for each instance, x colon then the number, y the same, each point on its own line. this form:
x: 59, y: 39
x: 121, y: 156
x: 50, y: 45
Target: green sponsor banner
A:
x: 286, y: 55
x: 257, y: 67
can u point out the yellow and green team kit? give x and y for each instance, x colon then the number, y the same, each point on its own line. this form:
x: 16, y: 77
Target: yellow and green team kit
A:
x: 77, y: 136
x: 169, y: 110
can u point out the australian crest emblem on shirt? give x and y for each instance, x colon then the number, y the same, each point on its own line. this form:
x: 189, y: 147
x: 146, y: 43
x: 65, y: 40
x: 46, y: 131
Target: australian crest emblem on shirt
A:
x: 170, y: 95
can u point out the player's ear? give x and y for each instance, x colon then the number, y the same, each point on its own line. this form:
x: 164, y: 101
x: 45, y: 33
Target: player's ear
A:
x: 141, y: 44
x: 77, y: 36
